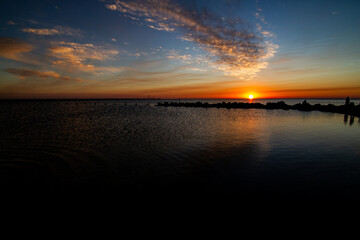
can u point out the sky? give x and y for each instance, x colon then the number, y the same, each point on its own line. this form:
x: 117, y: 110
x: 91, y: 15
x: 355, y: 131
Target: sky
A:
x: 179, y: 48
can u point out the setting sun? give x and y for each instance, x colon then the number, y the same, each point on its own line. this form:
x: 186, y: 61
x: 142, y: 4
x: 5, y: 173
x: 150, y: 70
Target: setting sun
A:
x: 251, y: 97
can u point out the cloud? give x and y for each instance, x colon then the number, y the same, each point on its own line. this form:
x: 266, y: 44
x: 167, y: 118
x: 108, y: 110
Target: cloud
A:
x: 235, y: 49
x: 116, y: 69
x: 162, y: 27
x: 13, y: 48
x: 27, y: 73
x: 10, y: 22
x: 42, y: 31
x: 58, y: 30
x: 77, y: 56
x: 186, y: 58
x: 111, y: 6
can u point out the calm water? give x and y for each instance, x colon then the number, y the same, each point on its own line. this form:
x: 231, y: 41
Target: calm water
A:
x: 135, y: 148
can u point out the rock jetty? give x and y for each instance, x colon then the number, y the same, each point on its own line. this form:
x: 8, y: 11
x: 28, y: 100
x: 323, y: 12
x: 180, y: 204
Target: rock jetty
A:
x: 349, y: 108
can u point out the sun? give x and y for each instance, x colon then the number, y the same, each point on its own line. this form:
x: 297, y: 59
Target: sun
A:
x: 251, y: 97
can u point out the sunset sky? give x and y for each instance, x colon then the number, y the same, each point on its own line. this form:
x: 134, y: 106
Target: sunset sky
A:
x: 179, y: 48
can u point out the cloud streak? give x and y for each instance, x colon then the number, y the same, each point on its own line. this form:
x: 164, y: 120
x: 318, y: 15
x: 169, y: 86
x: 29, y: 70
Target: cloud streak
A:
x: 77, y: 56
x: 58, y: 30
x: 27, y: 73
x: 12, y: 48
x: 68, y: 56
x: 234, y: 48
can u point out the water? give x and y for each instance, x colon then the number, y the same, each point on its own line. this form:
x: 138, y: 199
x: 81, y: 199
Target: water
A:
x: 105, y: 145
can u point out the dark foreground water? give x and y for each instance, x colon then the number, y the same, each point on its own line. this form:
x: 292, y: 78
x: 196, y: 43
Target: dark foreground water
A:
x: 106, y: 146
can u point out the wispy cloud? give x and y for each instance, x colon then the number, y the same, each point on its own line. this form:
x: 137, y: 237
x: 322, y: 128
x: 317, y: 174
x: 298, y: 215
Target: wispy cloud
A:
x: 12, y: 48
x: 186, y: 58
x: 162, y: 27
x: 10, y: 22
x: 111, y: 6
x: 58, y: 30
x: 68, y: 56
x: 77, y: 56
x: 235, y: 49
x: 27, y: 73
x: 42, y: 31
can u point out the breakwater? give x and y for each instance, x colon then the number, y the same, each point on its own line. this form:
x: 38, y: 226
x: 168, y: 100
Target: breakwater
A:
x: 349, y: 108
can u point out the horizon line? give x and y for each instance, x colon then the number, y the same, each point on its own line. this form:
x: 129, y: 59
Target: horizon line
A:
x: 6, y: 99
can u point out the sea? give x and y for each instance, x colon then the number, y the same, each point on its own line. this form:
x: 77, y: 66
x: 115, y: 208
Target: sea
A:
x: 133, y: 147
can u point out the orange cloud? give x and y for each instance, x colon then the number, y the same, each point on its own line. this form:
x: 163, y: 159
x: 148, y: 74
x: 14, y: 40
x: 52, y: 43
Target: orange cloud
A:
x: 25, y: 73
x: 76, y: 56
x: 111, y: 6
x: 43, y: 31
x: 58, y: 30
x: 12, y: 48
x: 10, y: 22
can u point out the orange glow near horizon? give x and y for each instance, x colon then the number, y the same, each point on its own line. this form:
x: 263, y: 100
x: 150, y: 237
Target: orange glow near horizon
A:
x: 215, y: 91
x: 249, y: 95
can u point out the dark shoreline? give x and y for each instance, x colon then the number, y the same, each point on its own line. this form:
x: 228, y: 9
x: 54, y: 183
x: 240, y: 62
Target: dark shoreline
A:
x: 347, y: 109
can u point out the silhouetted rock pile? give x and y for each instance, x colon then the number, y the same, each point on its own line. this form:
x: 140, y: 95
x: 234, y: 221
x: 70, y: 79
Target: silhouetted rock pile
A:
x: 348, y: 108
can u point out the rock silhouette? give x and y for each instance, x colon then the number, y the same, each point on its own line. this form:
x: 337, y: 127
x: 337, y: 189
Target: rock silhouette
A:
x: 347, y: 109
x: 347, y: 101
